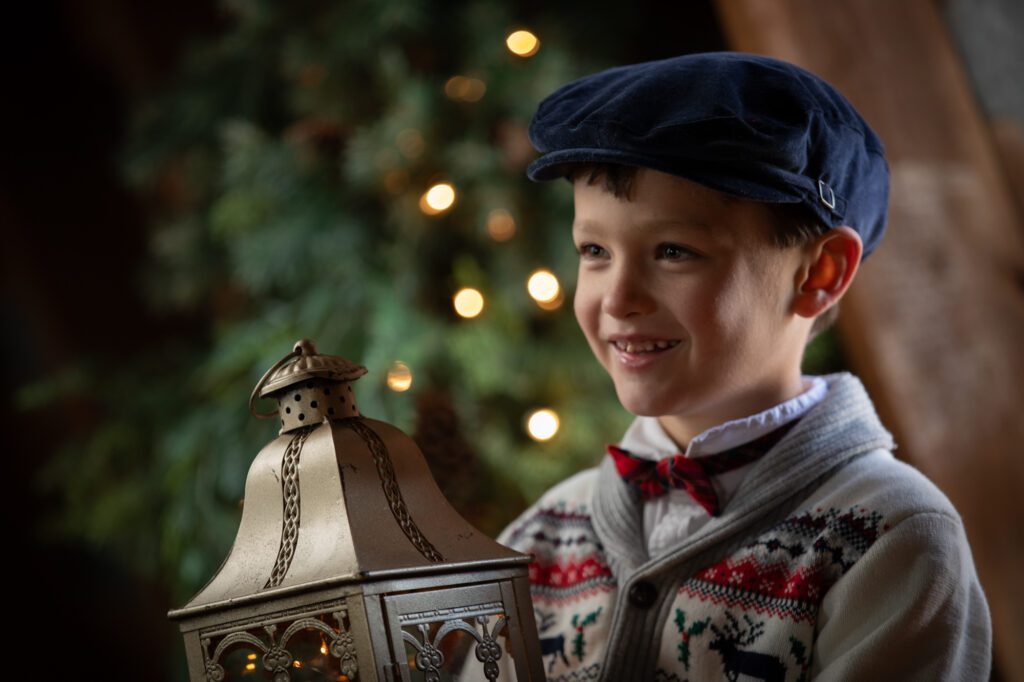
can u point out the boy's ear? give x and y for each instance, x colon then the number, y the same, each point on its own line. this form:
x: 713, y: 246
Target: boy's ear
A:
x: 827, y: 271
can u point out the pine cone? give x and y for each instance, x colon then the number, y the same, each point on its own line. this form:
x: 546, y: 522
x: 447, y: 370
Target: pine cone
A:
x: 452, y: 461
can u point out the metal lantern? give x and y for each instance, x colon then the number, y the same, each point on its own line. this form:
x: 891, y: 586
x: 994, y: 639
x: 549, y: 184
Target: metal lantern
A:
x: 349, y: 564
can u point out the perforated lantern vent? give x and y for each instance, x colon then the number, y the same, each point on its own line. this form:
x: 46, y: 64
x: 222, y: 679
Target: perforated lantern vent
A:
x: 313, y: 401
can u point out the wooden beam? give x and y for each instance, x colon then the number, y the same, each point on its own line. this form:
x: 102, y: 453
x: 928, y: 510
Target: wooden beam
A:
x: 1009, y: 143
x: 934, y: 323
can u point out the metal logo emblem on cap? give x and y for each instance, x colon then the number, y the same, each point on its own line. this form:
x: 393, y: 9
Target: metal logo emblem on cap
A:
x: 829, y: 201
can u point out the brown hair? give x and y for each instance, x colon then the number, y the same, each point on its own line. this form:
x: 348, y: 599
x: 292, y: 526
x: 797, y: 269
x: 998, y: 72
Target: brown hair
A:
x: 792, y: 225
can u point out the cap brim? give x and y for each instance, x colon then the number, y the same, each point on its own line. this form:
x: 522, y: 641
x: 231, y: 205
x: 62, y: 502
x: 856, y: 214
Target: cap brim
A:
x: 554, y: 165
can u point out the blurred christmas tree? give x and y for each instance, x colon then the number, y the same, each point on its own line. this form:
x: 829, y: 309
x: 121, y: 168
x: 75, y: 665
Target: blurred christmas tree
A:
x: 341, y: 172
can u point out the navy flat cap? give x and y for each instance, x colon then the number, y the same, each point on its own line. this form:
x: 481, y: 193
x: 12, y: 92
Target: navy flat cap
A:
x: 747, y: 125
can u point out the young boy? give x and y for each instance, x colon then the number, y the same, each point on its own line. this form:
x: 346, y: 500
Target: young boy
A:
x: 753, y: 522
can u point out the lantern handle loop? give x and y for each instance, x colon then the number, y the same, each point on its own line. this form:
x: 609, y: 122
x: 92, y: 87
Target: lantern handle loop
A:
x: 296, y: 352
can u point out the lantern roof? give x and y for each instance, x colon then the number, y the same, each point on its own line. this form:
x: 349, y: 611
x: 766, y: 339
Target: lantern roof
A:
x: 309, y: 364
x: 337, y: 498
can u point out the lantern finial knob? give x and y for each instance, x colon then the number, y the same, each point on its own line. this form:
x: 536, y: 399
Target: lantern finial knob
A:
x: 321, y: 383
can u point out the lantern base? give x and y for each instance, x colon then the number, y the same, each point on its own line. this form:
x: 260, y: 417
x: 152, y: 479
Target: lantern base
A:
x: 382, y: 628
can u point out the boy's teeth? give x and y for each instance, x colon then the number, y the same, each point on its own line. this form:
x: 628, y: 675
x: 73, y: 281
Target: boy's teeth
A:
x: 644, y: 347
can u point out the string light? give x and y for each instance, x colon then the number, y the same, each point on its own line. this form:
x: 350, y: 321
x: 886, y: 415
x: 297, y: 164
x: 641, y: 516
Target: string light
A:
x: 462, y: 88
x: 545, y: 289
x: 437, y: 199
x: 399, y: 377
x: 410, y: 143
x: 468, y: 302
x: 543, y: 286
x: 500, y: 225
x: 542, y: 425
x: 522, y: 43
x: 250, y: 666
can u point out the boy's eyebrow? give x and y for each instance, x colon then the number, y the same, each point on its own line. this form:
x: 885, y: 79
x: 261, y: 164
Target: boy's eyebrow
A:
x: 650, y: 225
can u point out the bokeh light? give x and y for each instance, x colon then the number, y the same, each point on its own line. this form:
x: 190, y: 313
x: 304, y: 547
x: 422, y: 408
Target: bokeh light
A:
x: 522, y: 43
x: 542, y: 424
x: 437, y: 199
x: 543, y: 286
x: 500, y: 225
x: 399, y: 377
x: 468, y: 302
x: 410, y: 143
x: 464, y: 89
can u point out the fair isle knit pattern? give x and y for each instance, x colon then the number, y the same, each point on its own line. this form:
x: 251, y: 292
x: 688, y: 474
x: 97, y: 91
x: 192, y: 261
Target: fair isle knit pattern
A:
x: 787, y: 571
x: 832, y: 559
x: 568, y: 558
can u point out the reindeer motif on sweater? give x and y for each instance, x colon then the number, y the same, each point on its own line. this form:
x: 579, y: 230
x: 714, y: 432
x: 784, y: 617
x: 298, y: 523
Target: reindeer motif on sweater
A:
x: 816, y: 567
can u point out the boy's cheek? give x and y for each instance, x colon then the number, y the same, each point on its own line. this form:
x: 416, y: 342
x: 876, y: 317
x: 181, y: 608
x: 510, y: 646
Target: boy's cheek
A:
x: 579, y: 308
x: 587, y: 320
x: 588, y: 324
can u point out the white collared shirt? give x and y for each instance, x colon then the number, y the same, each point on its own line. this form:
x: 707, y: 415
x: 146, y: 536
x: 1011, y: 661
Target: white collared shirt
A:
x: 672, y: 517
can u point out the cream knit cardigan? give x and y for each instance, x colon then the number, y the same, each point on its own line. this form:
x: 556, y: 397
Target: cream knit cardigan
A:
x: 833, y: 561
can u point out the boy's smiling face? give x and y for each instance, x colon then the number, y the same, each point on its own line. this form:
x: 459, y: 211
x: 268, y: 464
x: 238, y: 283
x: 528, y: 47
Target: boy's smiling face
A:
x: 686, y: 301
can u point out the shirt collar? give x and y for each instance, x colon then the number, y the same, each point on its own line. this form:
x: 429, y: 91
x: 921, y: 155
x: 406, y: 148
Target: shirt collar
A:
x: 646, y: 438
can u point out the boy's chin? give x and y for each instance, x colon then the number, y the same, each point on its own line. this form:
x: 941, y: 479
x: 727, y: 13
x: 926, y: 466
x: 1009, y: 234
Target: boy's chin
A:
x: 641, y: 406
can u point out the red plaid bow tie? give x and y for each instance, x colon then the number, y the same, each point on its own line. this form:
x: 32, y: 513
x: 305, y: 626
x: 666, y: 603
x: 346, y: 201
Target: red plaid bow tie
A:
x: 692, y: 474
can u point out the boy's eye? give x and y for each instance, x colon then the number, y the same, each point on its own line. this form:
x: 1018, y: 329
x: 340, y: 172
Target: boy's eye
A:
x: 590, y: 250
x: 674, y: 252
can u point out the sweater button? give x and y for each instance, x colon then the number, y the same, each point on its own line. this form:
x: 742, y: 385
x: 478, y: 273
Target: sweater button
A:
x: 642, y: 594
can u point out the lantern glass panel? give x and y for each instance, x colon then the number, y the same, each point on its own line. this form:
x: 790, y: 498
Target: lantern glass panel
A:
x: 447, y: 650
x: 307, y: 647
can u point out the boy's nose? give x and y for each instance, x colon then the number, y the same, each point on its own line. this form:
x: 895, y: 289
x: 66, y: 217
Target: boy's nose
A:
x: 626, y: 295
